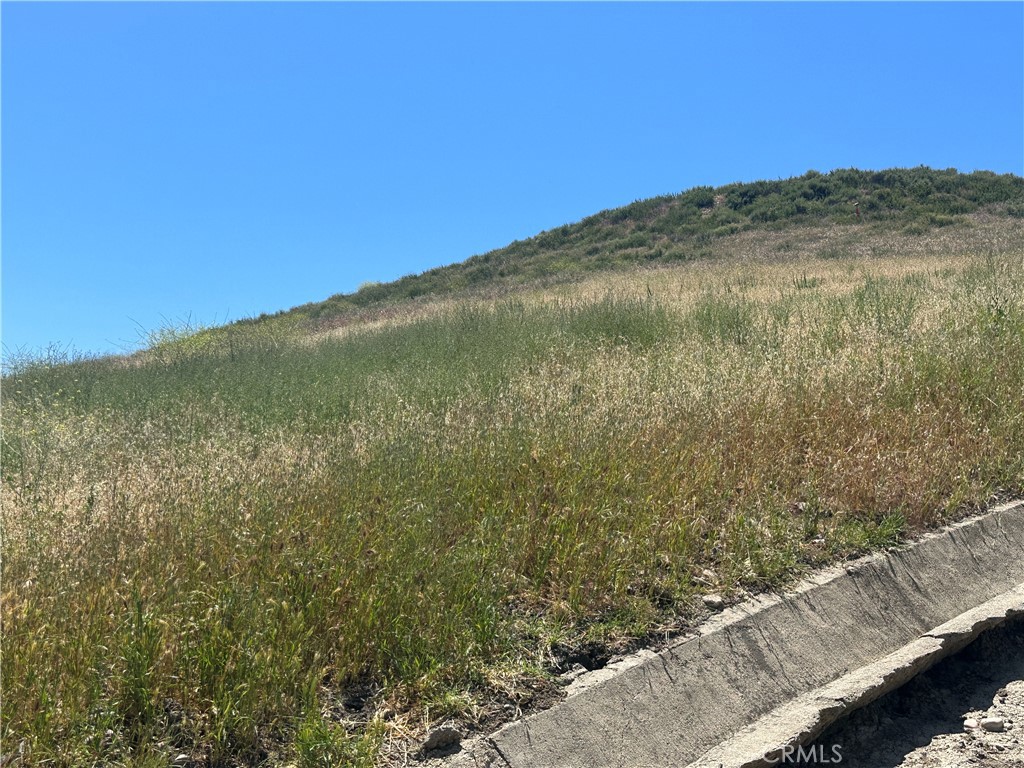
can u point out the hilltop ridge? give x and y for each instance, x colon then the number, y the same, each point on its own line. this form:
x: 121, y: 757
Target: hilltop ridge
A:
x: 694, y: 224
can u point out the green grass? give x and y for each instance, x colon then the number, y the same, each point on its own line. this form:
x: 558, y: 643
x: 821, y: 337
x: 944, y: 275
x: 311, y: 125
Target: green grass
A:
x: 251, y: 550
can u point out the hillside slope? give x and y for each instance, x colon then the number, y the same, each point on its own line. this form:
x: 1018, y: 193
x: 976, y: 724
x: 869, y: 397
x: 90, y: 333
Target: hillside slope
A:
x: 700, y: 222
x: 285, y: 542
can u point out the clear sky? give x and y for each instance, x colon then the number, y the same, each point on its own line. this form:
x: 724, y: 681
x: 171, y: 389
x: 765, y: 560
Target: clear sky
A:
x: 215, y: 161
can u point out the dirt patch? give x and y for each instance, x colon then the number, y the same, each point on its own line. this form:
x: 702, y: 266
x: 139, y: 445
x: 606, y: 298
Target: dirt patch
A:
x: 934, y: 721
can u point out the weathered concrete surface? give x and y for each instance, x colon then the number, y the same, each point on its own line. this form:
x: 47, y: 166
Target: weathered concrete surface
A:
x: 864, y: 629
x: 775, y: 736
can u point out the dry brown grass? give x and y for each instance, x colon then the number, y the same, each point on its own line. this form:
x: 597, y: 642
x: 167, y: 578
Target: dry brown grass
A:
x: 215, y: 553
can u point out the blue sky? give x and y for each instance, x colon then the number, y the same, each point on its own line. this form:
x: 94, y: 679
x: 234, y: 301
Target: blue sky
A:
x: 215, y: 161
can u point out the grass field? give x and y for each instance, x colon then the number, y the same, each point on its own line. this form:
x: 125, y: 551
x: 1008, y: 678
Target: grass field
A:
x: 241, y: 549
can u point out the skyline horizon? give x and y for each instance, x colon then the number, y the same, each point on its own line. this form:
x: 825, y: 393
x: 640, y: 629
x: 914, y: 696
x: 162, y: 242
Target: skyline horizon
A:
x: 217, y: 162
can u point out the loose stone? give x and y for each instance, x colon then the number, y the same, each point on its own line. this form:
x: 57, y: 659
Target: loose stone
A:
x: 994, y: 724
x: 714, y: 602
x: 441, y: 737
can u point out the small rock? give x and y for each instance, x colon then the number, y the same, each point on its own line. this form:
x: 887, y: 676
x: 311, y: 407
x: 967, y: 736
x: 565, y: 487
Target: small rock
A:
x: 971, y: 723
x: 714, y: 602
x: 442, y: 737
x: 994, y: 724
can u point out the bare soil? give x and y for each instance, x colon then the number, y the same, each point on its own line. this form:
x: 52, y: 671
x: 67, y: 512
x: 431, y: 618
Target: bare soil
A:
x: 925, y: 724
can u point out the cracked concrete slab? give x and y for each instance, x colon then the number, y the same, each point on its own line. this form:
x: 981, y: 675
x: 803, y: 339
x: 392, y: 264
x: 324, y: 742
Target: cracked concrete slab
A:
x: 781, y: 668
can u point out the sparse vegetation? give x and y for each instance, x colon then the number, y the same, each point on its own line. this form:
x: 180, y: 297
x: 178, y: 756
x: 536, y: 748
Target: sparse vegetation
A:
x: 237, y: 549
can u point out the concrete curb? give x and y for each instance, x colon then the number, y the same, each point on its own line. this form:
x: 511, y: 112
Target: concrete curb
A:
x: 776, y: 671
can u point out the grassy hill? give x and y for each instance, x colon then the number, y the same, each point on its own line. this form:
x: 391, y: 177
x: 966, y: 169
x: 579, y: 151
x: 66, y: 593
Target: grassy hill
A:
x: 300, y: 540
x: 697, y: 224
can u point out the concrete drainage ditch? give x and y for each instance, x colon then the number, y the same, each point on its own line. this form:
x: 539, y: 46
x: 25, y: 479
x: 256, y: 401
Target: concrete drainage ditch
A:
x: 767, y: 677
x: 966, y: 711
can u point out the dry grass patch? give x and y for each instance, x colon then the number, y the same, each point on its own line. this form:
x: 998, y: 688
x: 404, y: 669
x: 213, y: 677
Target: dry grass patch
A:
x: 304, y: 553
